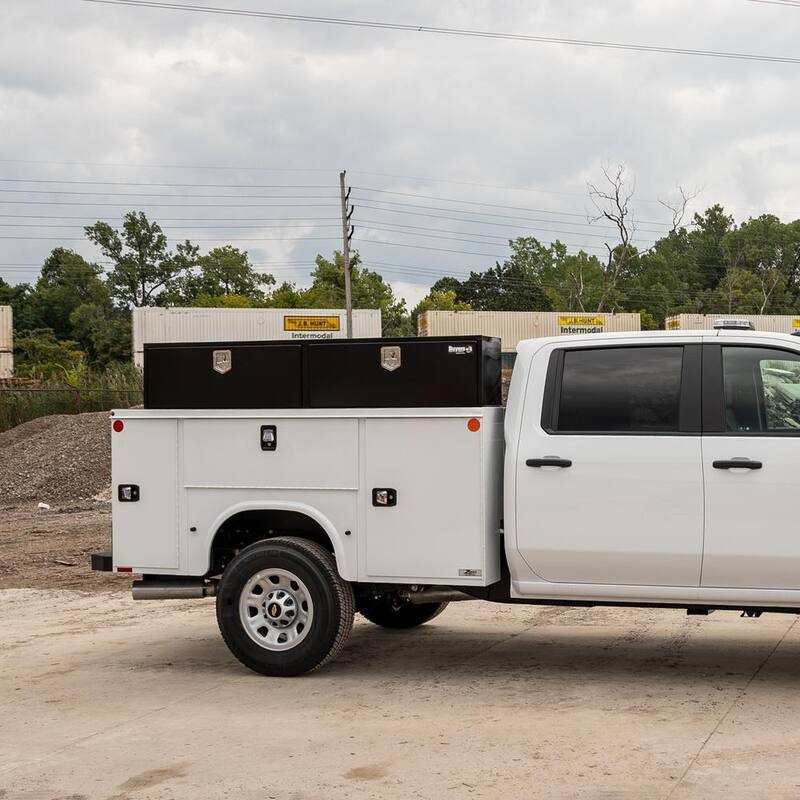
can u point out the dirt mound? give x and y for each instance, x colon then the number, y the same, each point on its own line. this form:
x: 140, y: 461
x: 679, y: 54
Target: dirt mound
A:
x: 56, y: 459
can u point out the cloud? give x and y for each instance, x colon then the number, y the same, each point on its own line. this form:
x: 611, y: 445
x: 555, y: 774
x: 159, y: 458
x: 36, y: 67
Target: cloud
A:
x: 89, y: 83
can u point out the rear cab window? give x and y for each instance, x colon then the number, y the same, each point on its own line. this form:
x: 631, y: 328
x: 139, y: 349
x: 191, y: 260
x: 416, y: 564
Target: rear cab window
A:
x: 642, y: 389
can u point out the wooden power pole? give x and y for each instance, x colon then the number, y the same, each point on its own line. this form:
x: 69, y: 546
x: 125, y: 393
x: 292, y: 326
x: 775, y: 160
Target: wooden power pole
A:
x: 347, y: 234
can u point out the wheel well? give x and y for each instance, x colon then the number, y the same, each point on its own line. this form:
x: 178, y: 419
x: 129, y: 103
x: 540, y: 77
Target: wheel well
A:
x: 246, y: 527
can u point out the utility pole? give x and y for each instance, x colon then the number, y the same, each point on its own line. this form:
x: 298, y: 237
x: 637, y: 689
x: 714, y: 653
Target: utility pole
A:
x: 347, y: 235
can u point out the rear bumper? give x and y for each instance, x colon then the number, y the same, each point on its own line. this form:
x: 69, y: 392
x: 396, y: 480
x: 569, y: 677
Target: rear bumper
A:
x: 101, y: 562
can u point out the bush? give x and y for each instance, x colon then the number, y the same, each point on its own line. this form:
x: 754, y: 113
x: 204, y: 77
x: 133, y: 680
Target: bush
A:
x: 117, y: 386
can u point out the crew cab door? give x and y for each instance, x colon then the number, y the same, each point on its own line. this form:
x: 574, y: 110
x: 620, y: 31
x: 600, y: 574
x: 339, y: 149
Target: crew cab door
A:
x: 751, y: 417
x: 609, y: 485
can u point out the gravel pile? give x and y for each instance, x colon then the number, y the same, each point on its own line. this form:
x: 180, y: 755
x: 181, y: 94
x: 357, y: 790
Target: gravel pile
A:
x: 56, y: 459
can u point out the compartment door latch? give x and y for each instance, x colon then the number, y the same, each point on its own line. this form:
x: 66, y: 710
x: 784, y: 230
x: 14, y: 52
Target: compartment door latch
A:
x: 269, y: 437
x: 384, y: 497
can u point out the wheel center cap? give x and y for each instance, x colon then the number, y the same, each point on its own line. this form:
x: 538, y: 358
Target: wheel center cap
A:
x: 274, y: 610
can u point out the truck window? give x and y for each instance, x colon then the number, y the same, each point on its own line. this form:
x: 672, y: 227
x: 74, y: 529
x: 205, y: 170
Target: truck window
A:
x: 624, y: 389
x: 762, y: 390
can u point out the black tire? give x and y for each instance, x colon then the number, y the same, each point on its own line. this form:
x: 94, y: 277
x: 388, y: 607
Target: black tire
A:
x: 319, y: 587
x: 387, y: 612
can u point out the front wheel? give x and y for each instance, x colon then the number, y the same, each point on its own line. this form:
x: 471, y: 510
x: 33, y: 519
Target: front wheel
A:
x: 282, y: 607
x: 390, y: 612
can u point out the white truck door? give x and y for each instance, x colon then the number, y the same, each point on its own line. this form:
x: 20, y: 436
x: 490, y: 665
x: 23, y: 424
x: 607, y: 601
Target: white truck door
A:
x: 609, y: 485
x: 751, y: 400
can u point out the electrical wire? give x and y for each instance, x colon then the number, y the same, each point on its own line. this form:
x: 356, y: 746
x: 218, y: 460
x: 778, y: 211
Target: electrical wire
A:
x: 444, y: 31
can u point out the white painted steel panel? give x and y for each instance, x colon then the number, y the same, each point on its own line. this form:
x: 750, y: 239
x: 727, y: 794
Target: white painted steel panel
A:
x: 163, y: 325
x: 145, y: 533
x: 437, y: 528
x: 514, y: 326
x: 6, y: 329
x: 6, y: 365
x: 207, y: 509
x: 311, y: 453
x: 772, y: 323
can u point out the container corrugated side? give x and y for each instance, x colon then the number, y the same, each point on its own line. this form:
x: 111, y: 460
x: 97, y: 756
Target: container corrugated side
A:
x: 774, y: 323
x: 6, y: 365
x: 514, y: 326
x: 6, y: 328
x: 165, y: 325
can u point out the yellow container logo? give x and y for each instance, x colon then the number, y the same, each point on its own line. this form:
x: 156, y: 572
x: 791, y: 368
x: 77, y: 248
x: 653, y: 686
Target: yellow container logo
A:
x: 796, y: 323
x: 582, y: 321
x: 673, y: 324
x: 312, y: 322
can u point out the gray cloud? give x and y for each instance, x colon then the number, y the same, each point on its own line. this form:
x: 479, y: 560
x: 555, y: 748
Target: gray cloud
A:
x: 84, y: 82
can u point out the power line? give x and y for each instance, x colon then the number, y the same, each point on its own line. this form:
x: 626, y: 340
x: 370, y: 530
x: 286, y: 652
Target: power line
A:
x: 163, y: 205
x: 171, y: 185
x: 190, y: 196
x: 474, y: 203
x: 160, y: 166
x: 442, y: 31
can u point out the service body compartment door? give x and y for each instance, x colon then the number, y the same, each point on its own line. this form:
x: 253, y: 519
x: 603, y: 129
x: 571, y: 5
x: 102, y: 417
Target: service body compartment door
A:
x: 434, y: 529
x: 145, y: 532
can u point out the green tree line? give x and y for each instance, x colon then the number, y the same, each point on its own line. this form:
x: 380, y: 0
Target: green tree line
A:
x: 77, y: 314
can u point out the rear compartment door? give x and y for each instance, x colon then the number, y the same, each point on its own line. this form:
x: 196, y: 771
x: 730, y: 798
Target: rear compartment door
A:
x: 145, y: 532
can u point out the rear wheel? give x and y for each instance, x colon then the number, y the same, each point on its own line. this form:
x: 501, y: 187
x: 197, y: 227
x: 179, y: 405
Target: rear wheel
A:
x: 389, y: 611
x: 282, y: 607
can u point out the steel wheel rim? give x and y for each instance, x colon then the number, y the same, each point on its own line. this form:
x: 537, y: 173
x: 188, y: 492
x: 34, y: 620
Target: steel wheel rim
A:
x: 275, y: 609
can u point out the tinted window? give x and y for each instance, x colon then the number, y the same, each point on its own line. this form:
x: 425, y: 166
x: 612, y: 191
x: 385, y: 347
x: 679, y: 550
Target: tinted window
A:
x: 762, y: 390
x: 621, y: 389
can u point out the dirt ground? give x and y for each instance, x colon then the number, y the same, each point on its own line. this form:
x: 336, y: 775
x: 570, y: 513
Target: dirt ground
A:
x: 106, y: 698
x: 51, y: 549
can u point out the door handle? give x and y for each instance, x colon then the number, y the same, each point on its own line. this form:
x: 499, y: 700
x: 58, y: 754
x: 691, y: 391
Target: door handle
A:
x: 548, y: 461
x: 737, y: 463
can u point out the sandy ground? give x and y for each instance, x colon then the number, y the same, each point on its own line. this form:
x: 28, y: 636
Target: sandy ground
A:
x: 103, y: 697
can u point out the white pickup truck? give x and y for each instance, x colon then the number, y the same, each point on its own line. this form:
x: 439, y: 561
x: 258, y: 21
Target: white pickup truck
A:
x: 651, y: 469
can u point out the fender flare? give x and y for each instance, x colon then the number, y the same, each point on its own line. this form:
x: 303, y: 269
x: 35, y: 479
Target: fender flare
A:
x: 346, y: 570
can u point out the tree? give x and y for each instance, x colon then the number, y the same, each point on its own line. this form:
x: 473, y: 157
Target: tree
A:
x: 67, y: 281
x: 143, y: 263
x: 368, y: 289
x: 222, y: 272
x: 38, y: 354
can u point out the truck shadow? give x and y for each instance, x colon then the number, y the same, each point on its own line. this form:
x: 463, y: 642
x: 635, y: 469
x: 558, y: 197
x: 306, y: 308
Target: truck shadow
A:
x: 438, y: 653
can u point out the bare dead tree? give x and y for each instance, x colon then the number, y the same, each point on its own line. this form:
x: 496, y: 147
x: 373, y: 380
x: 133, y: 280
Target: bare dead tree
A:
x: 677, y: 208
x: 612, y: 202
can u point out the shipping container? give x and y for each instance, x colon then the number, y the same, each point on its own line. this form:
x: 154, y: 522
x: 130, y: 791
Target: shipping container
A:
x: 196, y: 325
x: 6, y: 343
x: 511, y: 327
x: 775, y: 323
x: 6, y: 365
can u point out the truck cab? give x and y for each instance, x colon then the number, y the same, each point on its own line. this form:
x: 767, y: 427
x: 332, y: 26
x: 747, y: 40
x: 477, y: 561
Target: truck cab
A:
x: 653, y: 468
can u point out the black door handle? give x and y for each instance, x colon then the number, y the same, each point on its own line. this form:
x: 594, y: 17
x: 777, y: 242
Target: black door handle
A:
x: 550, y: 461
x: 737, y: 463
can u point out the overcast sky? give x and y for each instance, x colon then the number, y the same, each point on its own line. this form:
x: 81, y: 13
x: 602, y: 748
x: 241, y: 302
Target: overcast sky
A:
x: 504, y: 135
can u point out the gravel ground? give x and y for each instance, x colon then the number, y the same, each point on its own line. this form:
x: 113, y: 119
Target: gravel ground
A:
x: 62, y: 459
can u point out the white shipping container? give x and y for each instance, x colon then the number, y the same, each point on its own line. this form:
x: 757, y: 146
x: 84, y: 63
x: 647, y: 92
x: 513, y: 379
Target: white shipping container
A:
x: 514, y: 326
x: 163, y: 325
x: 6, y: 326
x: 774, y: 323
x: 6, y: 365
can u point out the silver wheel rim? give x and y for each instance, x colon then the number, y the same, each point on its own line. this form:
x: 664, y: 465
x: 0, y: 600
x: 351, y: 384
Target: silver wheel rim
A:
x: 275, y: 609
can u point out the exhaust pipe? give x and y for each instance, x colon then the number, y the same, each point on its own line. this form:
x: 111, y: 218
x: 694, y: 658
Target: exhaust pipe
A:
x: 435, y: 595
x: 172, y: 590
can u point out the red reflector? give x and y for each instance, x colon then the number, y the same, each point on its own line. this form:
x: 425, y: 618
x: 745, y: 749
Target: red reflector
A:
x: 117, y: 425
x: 473, y: 425
x: 124, y: 569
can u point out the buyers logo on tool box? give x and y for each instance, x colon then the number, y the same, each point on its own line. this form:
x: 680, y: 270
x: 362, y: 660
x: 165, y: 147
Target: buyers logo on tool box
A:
x: 581, y: 323
x: 390, y: 358
x: 459, y: 350
x: 222, y: 361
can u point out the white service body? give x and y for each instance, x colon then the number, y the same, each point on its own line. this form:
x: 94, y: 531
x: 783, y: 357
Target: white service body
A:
x: 635, y: 519
x: 197, y: 469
